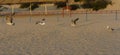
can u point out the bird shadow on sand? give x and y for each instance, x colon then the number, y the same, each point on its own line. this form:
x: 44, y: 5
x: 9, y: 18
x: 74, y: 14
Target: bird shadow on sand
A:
x: 117, y: 29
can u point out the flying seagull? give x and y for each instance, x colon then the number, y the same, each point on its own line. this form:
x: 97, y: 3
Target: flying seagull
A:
x: 73, y: 21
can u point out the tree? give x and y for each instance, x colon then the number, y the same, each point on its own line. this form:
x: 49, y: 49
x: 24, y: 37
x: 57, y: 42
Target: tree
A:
x: 60, y: 4
x: 74, y: 6
x: 77, y: 0
x: 101, y: 4
x: 27, y: 5
x: 94, y: 4
x: 64, y: 4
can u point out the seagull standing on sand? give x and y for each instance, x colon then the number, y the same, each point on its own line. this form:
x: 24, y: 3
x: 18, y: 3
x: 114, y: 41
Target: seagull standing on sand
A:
x: 110, y: 29
x: 42, y: 22
x: 73, y: 22
x: 9, y: 20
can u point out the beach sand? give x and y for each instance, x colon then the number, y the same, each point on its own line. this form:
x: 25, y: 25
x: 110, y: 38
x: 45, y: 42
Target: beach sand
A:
x: 57, y: 37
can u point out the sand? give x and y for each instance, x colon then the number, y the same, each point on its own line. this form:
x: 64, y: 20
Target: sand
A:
x: 57, y: 37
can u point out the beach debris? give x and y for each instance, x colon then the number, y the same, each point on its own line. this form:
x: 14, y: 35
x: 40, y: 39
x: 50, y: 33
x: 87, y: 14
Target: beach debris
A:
x: 42, y: 22
x: 73, y: 21
x: 109, y: 28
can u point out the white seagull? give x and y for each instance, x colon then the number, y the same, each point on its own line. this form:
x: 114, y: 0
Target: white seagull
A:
x: 110, y: 29
x: 41, y: 22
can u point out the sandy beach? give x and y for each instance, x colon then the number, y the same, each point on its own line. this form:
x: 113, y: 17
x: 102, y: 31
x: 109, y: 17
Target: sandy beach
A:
x: 57, y: 37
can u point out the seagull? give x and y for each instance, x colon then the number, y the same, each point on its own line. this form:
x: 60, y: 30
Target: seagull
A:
x: 110, y: 29
x: 41, y: 22
x: 9, y: 20
x: 74, y: 21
